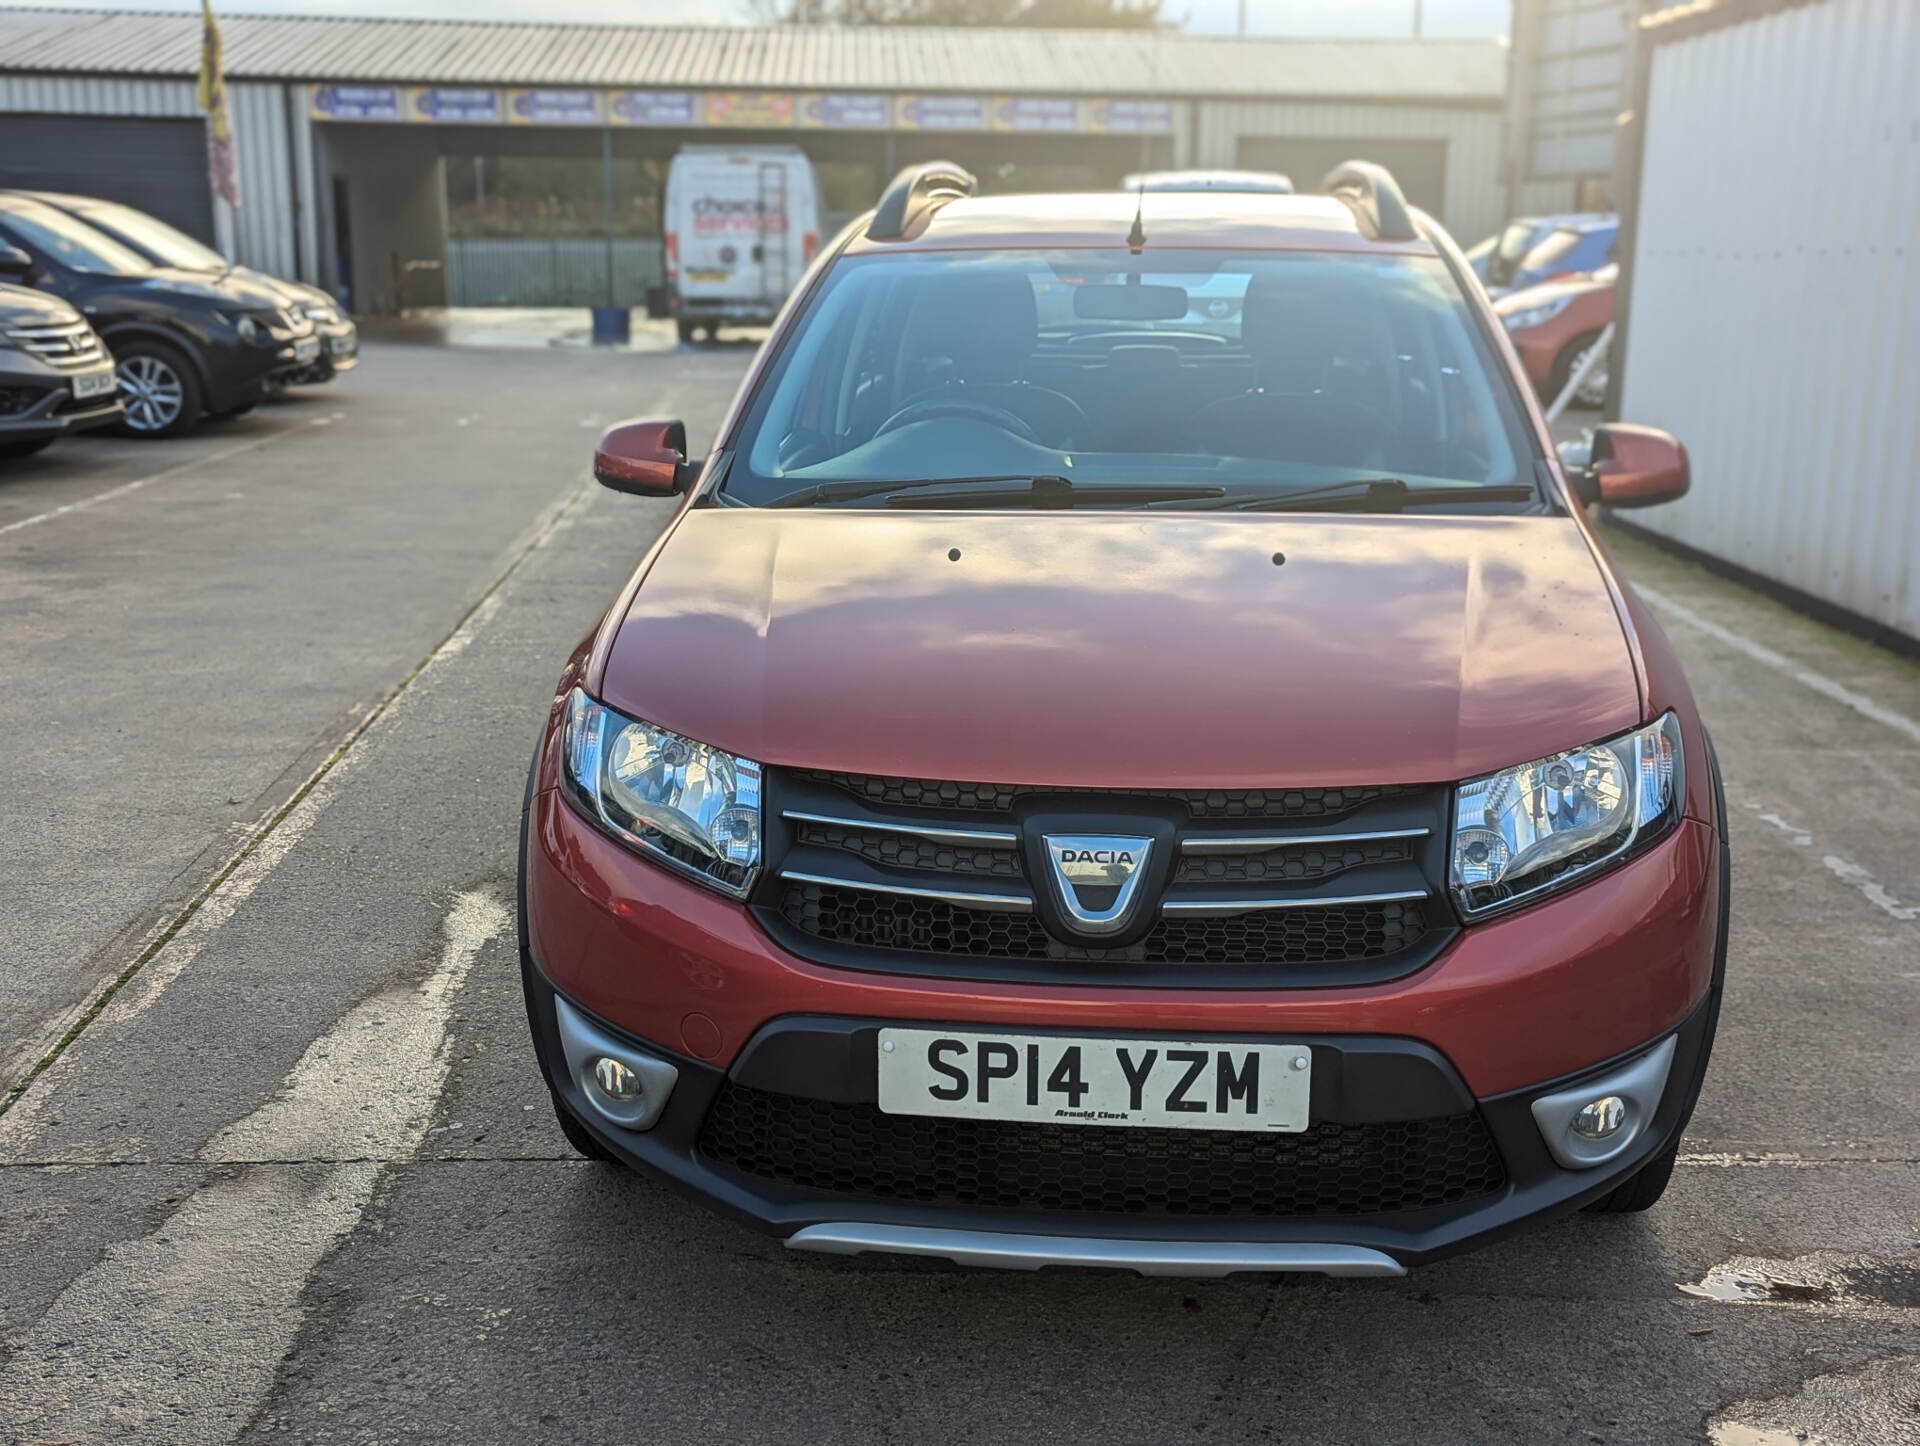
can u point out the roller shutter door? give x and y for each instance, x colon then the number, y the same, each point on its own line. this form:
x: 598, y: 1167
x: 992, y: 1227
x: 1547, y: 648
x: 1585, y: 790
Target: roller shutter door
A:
x: 159, y: 166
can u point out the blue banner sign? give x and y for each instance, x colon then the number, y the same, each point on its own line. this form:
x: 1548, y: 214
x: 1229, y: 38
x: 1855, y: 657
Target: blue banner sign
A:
x: 845, y: 112
x: 554, y: 107
x: 655, y: 108
x: 458, y: 104
x: 943, y: 113
x: 356, y: 102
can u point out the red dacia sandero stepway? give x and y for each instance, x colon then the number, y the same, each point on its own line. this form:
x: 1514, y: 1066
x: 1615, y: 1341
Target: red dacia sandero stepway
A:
x: 1130, y: 754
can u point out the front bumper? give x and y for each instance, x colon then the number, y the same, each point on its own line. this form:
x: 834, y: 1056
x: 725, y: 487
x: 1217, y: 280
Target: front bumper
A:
x: 1514, y: 1009
x: 36, y: 400
x: 339, y: 352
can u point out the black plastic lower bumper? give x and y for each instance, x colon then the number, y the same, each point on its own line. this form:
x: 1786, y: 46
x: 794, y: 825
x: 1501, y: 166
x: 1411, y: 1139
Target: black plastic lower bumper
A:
x: 815, y: 1063
x: 36, y: 401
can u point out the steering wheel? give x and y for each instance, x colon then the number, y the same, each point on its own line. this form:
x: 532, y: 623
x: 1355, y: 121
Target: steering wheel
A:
x: 931, y: 407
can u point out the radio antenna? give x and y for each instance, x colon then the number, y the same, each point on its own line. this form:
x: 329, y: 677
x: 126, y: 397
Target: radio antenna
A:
x: 1137, y: 235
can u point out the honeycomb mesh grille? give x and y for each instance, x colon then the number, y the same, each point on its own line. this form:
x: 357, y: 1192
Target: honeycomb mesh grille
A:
x: 903, y: 851
x: 879, y: 791
x: 875, y: 920
x: 1295, y: 863
x: 1330, y: 1169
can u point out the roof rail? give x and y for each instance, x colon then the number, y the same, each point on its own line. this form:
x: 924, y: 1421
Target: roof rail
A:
x: 918, y: 191
x: 1374, y: 197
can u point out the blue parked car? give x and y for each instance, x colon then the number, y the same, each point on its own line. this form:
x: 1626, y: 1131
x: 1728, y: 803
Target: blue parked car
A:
x: 1569, y: 250
x: 1497, y: 261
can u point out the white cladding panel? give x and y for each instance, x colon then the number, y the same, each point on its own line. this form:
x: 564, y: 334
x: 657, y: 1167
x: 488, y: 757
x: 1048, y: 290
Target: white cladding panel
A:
x: 1775, y: 306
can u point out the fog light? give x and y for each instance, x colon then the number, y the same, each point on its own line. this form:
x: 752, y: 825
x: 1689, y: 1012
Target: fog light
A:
x: 1596, y: 1120
x: 620, y: 1083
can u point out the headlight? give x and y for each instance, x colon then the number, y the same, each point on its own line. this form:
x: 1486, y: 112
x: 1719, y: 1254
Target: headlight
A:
x: 1531, y: 316
x: 678, y: 801
x: 250, y: 329
x: 321, y: 311
x: 1547, y: 825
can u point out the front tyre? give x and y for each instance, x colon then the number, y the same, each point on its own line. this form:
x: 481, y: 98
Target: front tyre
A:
x: 1643, y: 1190
x: 578, y: 1135
x: 159, y: 389
x: 1593, y: 391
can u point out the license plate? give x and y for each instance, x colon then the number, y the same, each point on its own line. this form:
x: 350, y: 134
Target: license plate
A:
x: 306, y: 349
x: 95, y: 384
x: 705, y: 274
x: 1167, y: 1084
x: 340, y: 345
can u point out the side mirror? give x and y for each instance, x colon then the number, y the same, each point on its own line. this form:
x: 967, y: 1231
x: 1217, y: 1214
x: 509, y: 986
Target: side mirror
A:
x: 1633, y: 467
x: 648, y: 459
x: 15, y: 264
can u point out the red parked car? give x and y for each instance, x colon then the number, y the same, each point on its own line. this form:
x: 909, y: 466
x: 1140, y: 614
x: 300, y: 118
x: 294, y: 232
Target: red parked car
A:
x: 1554, y: 325
x: 1072, y: 788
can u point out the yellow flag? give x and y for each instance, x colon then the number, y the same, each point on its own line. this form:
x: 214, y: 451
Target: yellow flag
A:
x: 213, y: 100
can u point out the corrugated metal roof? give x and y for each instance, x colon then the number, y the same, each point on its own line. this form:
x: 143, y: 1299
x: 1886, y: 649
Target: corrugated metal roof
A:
x: 894, y: 58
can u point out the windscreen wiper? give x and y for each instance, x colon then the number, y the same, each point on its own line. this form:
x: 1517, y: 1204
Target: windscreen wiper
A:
x: 1045, y: 491
x: 1372, y: 494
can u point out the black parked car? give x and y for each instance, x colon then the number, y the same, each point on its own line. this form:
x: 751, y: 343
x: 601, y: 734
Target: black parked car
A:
x: 186, y: 345
x: 55, y: 377
x: 165, y: 245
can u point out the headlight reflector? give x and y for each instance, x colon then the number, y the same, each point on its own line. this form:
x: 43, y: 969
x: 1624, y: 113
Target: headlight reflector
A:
x: 1535, y: 315
x: 694, y: 807
x: 1547, y: 824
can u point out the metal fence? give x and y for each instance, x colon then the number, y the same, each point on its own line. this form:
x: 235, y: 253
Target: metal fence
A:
x: 549, y: 271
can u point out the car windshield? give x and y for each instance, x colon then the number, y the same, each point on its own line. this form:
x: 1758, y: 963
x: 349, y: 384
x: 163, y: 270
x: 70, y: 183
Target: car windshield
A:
x: 1254, y: 374
x: 74, y: 244
x: 154, y: 236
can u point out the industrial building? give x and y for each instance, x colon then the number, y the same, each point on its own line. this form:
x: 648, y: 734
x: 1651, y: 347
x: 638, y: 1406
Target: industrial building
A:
x: 352, y: 133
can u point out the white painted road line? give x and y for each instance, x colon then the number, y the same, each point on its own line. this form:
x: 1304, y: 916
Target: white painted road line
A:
x: 175, y: 1338
x: 1780, y: 663
x: 1845, y: 870
x: 134, y: 486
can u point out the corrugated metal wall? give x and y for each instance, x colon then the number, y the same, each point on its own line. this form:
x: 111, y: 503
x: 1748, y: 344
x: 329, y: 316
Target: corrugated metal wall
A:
x: 91, y: 95
x: 1474, y: 206
x: 265, y: 225
x: 1775, y: 309
x: 267, y: 222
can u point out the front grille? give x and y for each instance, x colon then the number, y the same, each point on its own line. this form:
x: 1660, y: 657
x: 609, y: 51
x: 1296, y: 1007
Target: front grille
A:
x: 71, y: 346
x: 1330, y: 1169
x: 871, y: 919
x: 1293, y: 863
x: 1323, y: 886
x: 903, y: 851
x: 880, y: 791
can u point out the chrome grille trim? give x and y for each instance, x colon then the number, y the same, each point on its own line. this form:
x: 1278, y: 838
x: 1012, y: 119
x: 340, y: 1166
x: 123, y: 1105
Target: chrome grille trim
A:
x: 983, y: 837
x: 1247, y: 843
x: 1221, y: 908
x: 70, y: 345
x: 1007, y: 903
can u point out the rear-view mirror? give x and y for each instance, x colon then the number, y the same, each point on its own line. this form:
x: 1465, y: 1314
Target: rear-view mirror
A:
x: 1099, y: 302
x: 648, y: 459
x: 15, y: 264
x: 1635, y: 467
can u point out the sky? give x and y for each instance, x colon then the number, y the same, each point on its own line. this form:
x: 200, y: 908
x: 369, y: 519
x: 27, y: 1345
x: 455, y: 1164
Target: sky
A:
x: 1264, y: 17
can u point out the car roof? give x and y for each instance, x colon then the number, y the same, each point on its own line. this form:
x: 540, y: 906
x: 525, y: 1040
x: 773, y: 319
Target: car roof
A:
x: 1207, y: 220
x: 1271, y: 182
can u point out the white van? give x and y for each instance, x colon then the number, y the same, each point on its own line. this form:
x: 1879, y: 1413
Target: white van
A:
x: 742, y: 223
